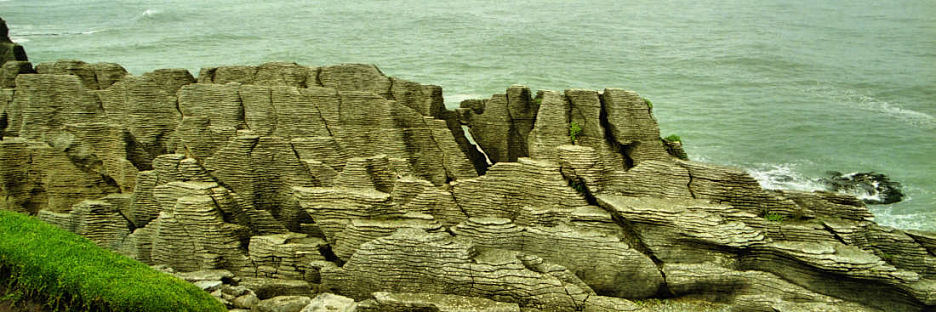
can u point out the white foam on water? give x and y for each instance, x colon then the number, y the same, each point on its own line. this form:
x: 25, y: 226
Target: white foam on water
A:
x: 871, y: 104
x: 17, y: 39
x: 782, y: 177
x: 862, y: 194
x: 148, y: 13
x: 883, y: 215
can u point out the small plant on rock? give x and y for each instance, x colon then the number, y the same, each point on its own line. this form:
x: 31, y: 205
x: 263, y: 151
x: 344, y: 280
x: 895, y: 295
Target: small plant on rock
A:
x: 579, y: 186
x: 649, y: 103
x: 673, y: 138
x: 774, y: 217
x: 574, y: 130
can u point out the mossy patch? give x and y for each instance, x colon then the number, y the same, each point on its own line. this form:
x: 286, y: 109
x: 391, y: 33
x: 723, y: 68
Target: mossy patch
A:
x: 64, y: 271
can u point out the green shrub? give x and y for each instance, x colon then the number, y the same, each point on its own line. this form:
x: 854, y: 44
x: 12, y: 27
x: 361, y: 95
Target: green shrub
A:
x: 774, y: 217
x: 574, y: 130
x: 649, y: 103
x: 68, y: 272
x: 673, y: 138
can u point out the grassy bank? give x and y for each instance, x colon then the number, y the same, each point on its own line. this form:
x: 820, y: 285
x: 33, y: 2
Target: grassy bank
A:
x: 42, y: 263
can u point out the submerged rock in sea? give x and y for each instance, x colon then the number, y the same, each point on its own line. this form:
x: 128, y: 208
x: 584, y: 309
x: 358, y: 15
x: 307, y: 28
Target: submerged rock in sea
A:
x: 302, y: 180
x: 870, y: 187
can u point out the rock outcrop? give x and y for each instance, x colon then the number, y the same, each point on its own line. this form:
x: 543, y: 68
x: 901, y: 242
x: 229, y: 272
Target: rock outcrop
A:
x: 299, y: 180
x: 9, y: 51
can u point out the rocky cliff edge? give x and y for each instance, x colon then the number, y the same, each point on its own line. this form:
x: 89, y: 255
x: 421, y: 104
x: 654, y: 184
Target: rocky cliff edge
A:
x: 340, y: 179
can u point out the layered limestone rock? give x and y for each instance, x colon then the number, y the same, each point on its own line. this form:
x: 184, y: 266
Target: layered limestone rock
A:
x: 803, y: 253
x: 605, y: 263
x: 339, y: 178
x: 412, y: 260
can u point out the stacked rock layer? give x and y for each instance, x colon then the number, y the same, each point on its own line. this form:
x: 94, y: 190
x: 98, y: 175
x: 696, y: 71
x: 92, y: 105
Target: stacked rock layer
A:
x: 340, y: 179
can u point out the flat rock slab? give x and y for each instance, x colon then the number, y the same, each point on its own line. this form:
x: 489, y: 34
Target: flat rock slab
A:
x: 283, y: 304
x: 267, y: 288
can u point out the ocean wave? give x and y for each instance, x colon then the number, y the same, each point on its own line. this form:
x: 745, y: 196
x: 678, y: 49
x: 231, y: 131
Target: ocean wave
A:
x: 149, y: 13
x: 884, y: 215
x: 783, y: 177
x: 18, y: 39
x: 868, y: 103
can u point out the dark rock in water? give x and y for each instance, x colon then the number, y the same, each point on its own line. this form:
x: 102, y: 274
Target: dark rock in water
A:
x: 870, y: 187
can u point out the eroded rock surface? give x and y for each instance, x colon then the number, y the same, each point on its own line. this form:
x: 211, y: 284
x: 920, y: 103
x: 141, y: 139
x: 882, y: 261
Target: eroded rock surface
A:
x: 280, y: 181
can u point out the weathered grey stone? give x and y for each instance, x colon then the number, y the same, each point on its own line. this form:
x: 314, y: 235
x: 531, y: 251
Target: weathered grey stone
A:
x: 11, y: 69
x: 266, y: 288
x: 682, y: 230
x: 205, y: 275
x: 632, y: 125
x: 328, y: 302
x: 508, y: 186
x: 602, y: 261
x: 501, y: 125
x: 437, y: 302
x: 355, y: 77
x: 452, y: 267
x: 208, y: 286
x: 748, y: 289
x: 282, y: 304
x: 246, y: 301
x: 285, y: 256
x: 358, y: 183
x: 97, y: 76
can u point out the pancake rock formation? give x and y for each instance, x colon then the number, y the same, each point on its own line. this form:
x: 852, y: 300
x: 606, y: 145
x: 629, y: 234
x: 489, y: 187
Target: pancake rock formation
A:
x: 341, y: 187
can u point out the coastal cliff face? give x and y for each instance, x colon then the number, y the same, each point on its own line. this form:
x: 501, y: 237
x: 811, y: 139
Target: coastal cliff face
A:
x: 343, y: 180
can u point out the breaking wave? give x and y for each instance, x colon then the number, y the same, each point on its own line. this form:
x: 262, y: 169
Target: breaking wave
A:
x: 868, y: 103
x: 148, y: 13
x: 783, y: 177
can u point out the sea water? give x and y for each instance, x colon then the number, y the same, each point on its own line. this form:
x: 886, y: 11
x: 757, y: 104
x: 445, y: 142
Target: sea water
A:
x: 786, y: 90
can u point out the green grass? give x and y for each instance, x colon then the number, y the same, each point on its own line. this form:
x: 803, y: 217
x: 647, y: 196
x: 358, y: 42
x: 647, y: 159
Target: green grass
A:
x: 65, y: 271
x: 673, y: 138
x: 574, y: 130
x: 649, y: 103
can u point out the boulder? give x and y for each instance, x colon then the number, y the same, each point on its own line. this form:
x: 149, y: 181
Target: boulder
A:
x: 870, y: 187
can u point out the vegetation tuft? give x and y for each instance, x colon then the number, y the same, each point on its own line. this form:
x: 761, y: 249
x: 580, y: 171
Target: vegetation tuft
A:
x: 673, y: 138
x: 63, y: 271
x: 774, y: 217
x: 649, y: 103
x: 579, y: 187
x: 574, y: 130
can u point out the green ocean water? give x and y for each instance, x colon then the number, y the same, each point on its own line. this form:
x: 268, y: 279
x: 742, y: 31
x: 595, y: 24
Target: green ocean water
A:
x: 783, y: 89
